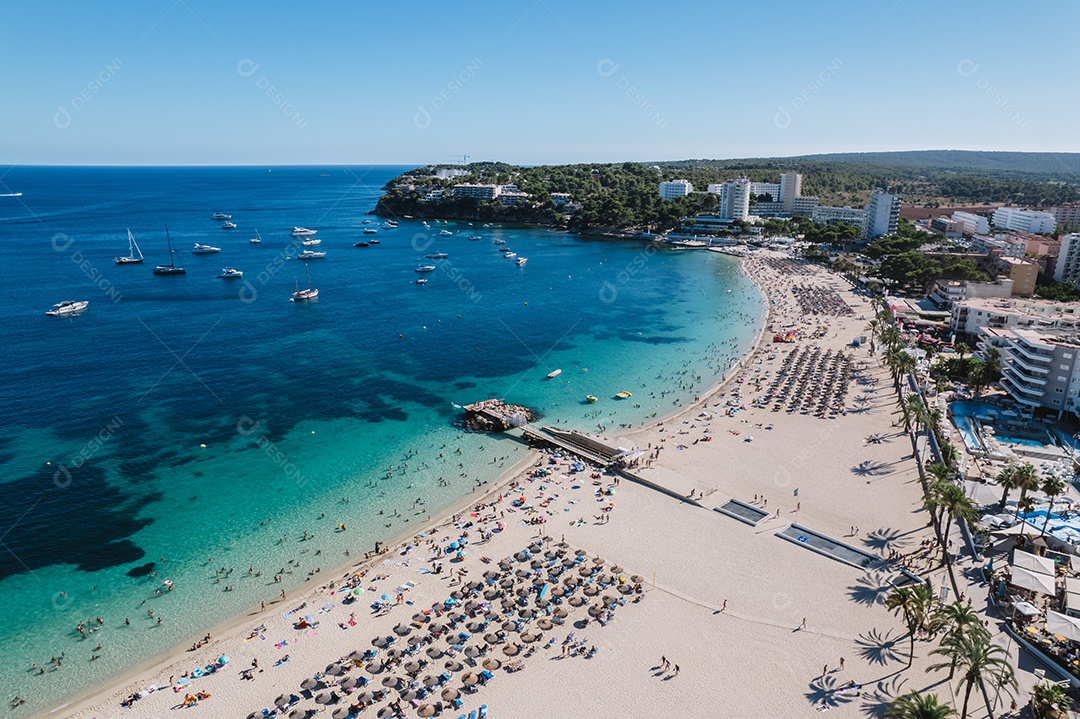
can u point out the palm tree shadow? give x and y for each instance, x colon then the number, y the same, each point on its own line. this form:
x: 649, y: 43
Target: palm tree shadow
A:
x: 878, y: 698
x: 870, y: 468
x: 882, y: 649
x: 881, y: 539
x: 823, y: 691
x: 869, y: 589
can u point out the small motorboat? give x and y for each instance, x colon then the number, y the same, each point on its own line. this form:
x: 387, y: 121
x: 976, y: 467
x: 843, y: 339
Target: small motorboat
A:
x: 475, y: 238
x: 590, y: 399
x: 228, y: 225
x: 445, y: 233
x: 437, y: 256
x: 361, y: 244
x: 229, y: 273
x: 553, y: 374
x: 219, y: 216
x: 366, y: 222
x: 623, y: 395
x: 310, y: 255
x: 499, y: 241
x: 301, y: 232
x: 373, y: 242
x: 205, y: 249
x: 311, y: 242
x: 521, y: 261
x: 389, y: 225
x: 370, y: 231
x: 421, y: 281
x: 425, y: 268
x: 510, y: 255
x: 67, y: 308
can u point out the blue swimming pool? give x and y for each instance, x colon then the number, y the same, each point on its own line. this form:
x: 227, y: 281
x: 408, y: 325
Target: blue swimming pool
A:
x: 964, y: 417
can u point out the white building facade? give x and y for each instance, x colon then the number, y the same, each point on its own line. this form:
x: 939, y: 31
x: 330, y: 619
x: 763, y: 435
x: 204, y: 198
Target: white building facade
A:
x: 882, y: 214
x: 675, y: 188
x: 1012, y: 218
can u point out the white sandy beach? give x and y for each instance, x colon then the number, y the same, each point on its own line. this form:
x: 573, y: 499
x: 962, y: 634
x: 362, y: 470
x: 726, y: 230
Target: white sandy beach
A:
x: 751, y: 658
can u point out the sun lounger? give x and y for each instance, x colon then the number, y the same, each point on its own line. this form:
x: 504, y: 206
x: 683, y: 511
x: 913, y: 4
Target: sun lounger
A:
x: 472, y: 714
x: 456, y: 703
x: 482, y: 714
x: 487, y: 675
x: 444, y: 677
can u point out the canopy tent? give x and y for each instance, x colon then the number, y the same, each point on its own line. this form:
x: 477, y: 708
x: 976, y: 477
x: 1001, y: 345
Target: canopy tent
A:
x: 1066, y: 626
x: 1027, y: 609
x: 1072, y: 585
x: 1034, y: 581
x: 1018, y: 528
x: 1072, y: 602
x: 1033, y: 562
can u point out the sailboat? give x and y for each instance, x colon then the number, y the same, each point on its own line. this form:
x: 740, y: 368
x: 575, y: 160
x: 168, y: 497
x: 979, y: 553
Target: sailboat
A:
x: 134, y: 255
x: 308, y: 294
x: 171, y: 268
x: 257, y: 238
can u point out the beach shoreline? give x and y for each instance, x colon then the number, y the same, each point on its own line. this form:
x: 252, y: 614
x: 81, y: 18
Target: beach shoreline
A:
x: 143, y: 673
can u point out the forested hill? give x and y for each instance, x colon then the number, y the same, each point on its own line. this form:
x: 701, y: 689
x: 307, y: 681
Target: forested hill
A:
x: 1063, y: 166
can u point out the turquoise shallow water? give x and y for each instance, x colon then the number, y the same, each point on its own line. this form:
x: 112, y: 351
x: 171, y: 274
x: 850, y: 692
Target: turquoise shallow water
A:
x: 299, y: 406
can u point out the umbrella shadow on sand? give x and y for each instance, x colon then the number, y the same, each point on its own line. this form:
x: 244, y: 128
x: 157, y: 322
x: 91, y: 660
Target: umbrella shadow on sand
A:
x: 870, y: 468
x: 883, y: 649
x: 886, y: 538
x: 879, y: 697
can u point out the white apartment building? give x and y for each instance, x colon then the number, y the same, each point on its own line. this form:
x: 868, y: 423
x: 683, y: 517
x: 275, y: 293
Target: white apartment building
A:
x: 766, y: 188
x: 512, y: 198
x: 735, y: 199
x: 790, y: 189
x: 1039, y: 368
x: 1067, y: 214
x: 445, y: 174
x: 1012, y: 218
x: 675, y: 188
x: 560, y: 198
x: 1003, y: 245
x: 970, y: 316
x: 882, y: 215
x: 825, y: 215
x: 1067, y: 268
x: 972, y: 224
x: 803, y: 206
x: 479, y: 192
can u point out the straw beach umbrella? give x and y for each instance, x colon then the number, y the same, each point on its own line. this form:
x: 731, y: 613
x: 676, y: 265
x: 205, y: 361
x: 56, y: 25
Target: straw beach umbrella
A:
x: 340, y: 713
x: 349, y: 682
x: 390, y: 681
x: 454, y: 665
x: 322, y: 698
x: 448, y: 694
x: 334, y: 670
x: 491, y: 664
x: 472, y: 651
x: 282, y: 700
x: 544, y: 623
x: 470, y: 679
x: 434, y: 652
x: 511, y: 650
x: 374, y: 667
x: 430, y: 681
x: 309, y: 683
x: 598, y: 561
x: 426, y: 710
x: 560, y: 612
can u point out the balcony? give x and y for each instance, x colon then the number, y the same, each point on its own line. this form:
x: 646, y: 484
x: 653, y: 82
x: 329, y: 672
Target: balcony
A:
x: 1024, y: 379
x: 1007, y: 385
x: 1016, y: 359
x: 1038, y: 356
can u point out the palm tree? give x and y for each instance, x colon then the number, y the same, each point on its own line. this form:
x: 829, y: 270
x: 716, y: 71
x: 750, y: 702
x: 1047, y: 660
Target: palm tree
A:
x: 1025, y: 505
x: 962, y: 349
x: 919, y: 706
x: 940, y: 470
x: 1007, y: 480
x: 1027, y: 478
x: 891, y: 337
x: 951, y: 500
x: 914, y: 405
x: 978, y: 659
x: 1050, y: 700
x: 957, y: 618
x: 1052, y: 487
x: 950, y: 454
x: 915, y: 603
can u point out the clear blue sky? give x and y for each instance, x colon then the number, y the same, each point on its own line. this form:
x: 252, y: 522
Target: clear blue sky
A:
x: 528, y: 81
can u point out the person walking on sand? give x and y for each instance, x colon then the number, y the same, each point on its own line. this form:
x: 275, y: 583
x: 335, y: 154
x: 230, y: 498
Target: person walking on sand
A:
x: 824, y: 671
x: 664, y: 664
x: 676, y: 670
x: 841, y: 664
x: 803, y: 625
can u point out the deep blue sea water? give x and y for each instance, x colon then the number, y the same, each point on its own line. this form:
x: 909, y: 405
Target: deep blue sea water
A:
x: 186, y: 424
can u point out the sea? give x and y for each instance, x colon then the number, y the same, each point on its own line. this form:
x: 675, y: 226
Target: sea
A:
x: 164, y: 453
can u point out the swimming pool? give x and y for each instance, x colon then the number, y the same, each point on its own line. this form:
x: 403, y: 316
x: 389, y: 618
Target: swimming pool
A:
x: 964, y: 417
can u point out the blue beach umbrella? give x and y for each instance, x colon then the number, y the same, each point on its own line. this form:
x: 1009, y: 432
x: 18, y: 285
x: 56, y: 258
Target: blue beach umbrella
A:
x: 386, y: 597
x: 454, y: 545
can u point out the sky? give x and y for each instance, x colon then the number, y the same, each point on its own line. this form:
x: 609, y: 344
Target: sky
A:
x: 198, y: 82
